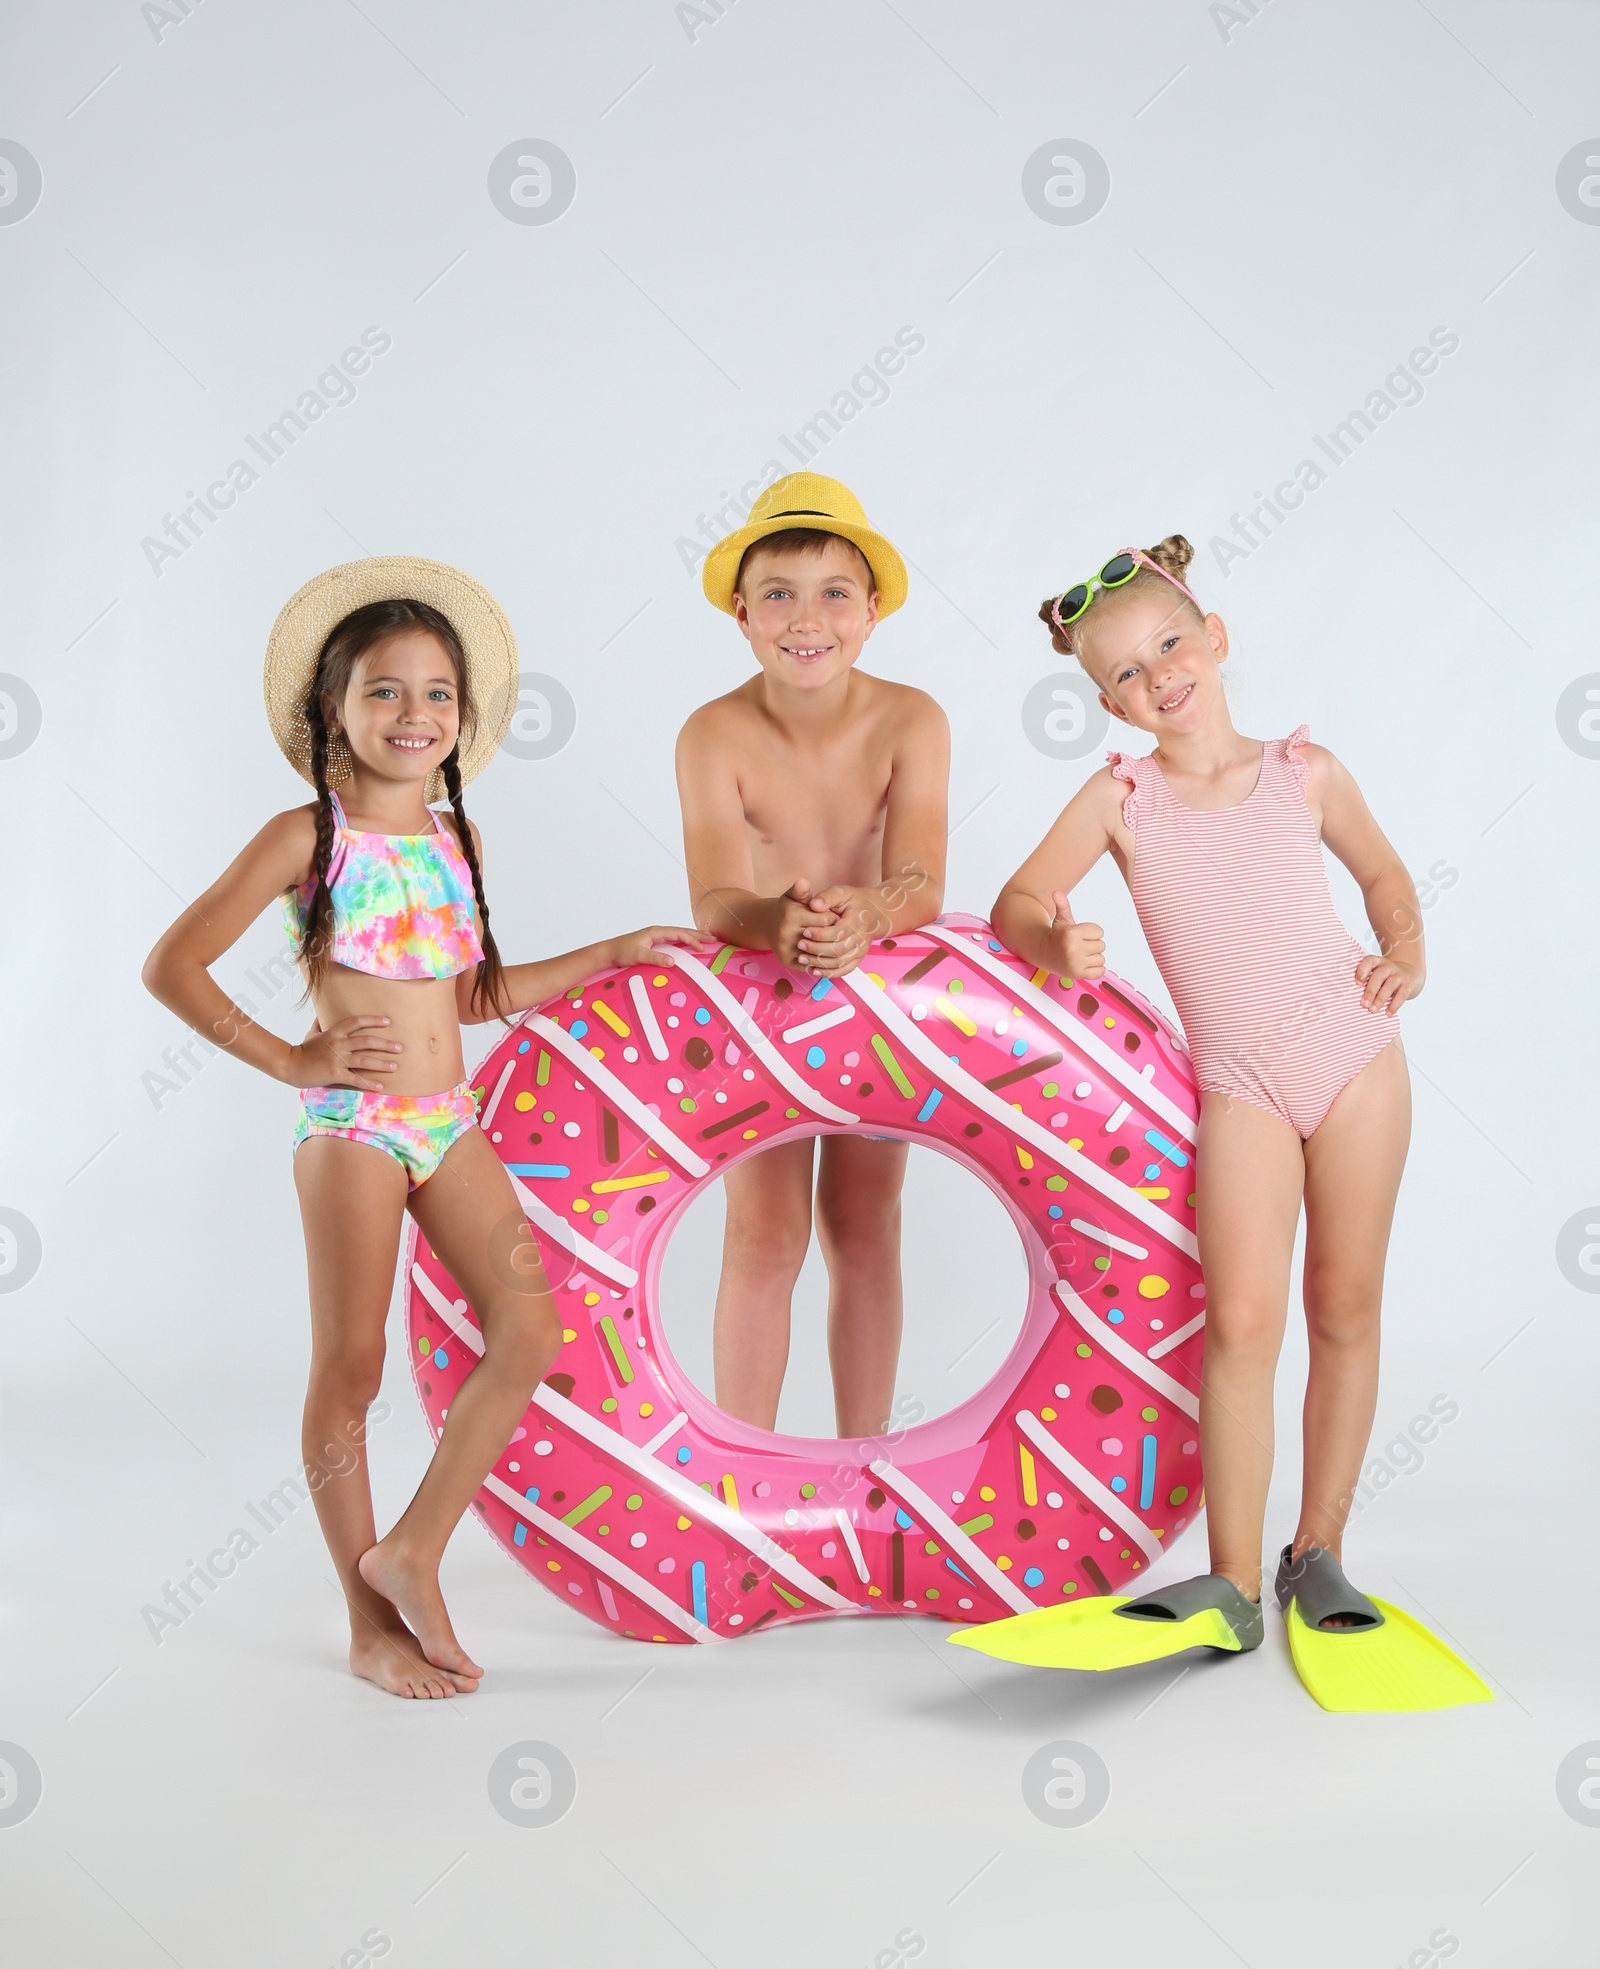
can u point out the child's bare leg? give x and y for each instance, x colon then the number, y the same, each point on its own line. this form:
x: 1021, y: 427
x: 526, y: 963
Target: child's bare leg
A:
x: 1353, y: 1167
x: 858, y: 1227
x: 763, y: 1247
x: 351, y: 1201
x: 463, y: 1210
x: 1251, y: 1172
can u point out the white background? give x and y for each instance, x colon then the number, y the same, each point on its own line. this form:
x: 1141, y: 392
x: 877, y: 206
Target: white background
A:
x: 764, y: 199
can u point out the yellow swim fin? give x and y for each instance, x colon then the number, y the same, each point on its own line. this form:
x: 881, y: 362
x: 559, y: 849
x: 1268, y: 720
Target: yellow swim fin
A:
x: 1209, y: 1612
x: 1387, y: 1662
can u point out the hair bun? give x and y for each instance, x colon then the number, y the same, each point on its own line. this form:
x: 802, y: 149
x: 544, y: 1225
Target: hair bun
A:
x: 1060, y: 639
x: 1173, y: 554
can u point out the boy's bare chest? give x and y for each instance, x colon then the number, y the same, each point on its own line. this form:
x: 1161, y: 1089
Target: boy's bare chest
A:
x: 825, y: 810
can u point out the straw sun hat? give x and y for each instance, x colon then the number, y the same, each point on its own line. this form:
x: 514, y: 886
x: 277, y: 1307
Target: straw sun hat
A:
x: 306, y: 619
x: 806, y: 499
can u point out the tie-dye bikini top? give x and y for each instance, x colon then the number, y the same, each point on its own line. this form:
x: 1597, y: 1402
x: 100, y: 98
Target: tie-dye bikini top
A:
x: 402, y: 903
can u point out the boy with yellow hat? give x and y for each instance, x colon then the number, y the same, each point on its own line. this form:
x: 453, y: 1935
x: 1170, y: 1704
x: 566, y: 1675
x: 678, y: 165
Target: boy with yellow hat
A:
x: 814, y: 820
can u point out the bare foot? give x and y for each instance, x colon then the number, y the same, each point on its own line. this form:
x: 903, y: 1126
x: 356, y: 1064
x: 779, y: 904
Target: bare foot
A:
x: 392, y: 1658
x: 415, y: 1591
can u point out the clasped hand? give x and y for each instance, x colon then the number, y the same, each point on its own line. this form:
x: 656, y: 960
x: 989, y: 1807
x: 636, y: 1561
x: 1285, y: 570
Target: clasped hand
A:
x: 827, y: 931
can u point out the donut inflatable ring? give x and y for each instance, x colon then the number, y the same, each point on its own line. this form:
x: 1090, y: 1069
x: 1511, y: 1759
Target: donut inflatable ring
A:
x: 629, y: 1494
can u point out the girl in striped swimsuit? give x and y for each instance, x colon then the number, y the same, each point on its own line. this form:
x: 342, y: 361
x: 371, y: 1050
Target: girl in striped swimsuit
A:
x: 1293, y: 1030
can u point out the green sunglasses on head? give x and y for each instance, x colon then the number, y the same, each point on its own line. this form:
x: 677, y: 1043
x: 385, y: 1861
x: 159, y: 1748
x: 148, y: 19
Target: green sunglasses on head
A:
x: 1121, y: 568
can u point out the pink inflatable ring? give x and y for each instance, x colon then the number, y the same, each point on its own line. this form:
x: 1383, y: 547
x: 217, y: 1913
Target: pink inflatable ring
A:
x: 631, y: 1495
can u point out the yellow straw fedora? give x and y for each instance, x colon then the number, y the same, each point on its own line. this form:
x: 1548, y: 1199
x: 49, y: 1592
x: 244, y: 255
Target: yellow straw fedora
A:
x: 809, y: 500
x: 307, y: 618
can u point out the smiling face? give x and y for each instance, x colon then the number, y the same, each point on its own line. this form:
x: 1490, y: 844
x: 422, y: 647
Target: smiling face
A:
x: 807, y: 614
x: 1156, y: 661
x: 401, y: 710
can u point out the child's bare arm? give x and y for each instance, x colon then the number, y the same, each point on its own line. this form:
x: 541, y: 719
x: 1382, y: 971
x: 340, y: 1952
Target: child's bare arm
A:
x: 915, y: 842
x: 177, y: 971
x: 528, y: 985
x: 1387, y: 890
x: 1032, y: 914
x: 716, y: 852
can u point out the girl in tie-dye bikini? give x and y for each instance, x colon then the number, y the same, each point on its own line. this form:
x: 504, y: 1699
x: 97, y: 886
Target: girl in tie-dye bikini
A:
x: 393, y: 680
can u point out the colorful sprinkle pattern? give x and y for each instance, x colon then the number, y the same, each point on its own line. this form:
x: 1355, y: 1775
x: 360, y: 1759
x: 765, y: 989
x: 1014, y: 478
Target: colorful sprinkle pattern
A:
x: 614, y: 1106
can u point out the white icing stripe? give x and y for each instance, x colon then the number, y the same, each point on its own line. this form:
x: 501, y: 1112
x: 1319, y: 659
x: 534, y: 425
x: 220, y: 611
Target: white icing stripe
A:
x: 811, y: 1027
x: 640, y: 1458
x: 690, y: 1497
x: 1105, y: 1238
x: 630, y: 1104
x: 602, y: 1561
x: 970, y: 1089
x: 664, y: 1436
x: 589, y: 1255
x: 553, y: 1527
x: 1130, y: 1357
x: 499, y: 1088
x: 918, y: 1500
x: 1177, y: 1339
x: 847, y: 1532
x: 462, y: 1328
x: 647, y: 1017
x: 1083, y: 1480
x: 1025, y: 993
x: 758, y: 1042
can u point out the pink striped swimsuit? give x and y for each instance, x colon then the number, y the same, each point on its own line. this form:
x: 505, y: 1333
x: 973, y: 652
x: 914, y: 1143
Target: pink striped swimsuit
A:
x: 1236, y: 908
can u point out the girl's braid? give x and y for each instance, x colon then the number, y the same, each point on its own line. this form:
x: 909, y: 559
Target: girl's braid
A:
x: 489, y: 985
x: 317, y: 934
